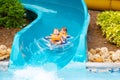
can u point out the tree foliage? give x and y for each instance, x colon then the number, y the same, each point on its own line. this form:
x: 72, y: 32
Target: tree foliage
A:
x: 11, y: 13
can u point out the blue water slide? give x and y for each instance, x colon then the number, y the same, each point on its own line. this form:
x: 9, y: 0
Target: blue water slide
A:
x: 29, y: 46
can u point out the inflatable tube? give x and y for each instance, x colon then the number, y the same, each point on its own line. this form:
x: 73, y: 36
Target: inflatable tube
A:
x: 103, y: 4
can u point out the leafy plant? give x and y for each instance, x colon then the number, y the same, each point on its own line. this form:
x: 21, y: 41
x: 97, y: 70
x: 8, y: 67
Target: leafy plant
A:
x: 11, y: 13
x: 110, y: 25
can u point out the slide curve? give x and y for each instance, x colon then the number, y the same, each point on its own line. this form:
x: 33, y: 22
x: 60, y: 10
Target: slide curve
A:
x: 29, y: 46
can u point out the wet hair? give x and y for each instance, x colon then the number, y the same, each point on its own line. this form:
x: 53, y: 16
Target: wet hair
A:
x: 64, y: 29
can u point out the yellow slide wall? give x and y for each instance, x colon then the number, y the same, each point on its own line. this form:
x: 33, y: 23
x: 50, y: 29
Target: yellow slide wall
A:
x: 103, y: 4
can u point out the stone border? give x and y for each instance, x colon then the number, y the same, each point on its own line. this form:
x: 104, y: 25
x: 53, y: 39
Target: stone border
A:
x: 103, y: 67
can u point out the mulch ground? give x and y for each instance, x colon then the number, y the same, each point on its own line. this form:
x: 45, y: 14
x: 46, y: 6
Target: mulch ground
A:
x: 95, y: 38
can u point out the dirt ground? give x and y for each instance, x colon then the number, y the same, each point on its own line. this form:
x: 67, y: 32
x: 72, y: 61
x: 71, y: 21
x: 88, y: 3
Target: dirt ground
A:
x: 7, y: 35
x: 95, y: 38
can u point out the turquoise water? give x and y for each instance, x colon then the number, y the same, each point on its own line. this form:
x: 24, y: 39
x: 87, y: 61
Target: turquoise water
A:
x: 44, y: 52
x: 39, y: 50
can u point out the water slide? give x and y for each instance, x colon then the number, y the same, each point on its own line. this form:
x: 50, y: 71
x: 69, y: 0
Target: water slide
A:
x: 29, y: 46
x: 103, y: 4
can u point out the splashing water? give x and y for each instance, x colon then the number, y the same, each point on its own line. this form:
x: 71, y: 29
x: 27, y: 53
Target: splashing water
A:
x: 35, y: 73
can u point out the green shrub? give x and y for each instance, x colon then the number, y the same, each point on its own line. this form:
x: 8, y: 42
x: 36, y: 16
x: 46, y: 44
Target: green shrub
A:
x: 110, y: 25
x: 11, y: 13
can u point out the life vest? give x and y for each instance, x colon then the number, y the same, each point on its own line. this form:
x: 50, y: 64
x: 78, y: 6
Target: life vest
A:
x: 55, y: 37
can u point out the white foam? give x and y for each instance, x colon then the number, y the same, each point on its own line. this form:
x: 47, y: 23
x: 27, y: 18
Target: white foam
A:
x: 35, y: 73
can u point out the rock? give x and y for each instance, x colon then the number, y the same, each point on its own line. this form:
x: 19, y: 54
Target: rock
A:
x: 104, y: 50
x: 1, y: 55
x: 92, y: 51
x: 4, y: 57
x: 111, y: 52
x: 90, y: 56
x: 98, y: 50
x: 98, y: 58
x: 8, y: 51
x: 108, y: 60
x: 117, y: 61
x: 3, y: 49
x: 118, y: 52
x: 115, y: 56
x: 100, y: 53
x: 4, y: 52
x: 103, y: 55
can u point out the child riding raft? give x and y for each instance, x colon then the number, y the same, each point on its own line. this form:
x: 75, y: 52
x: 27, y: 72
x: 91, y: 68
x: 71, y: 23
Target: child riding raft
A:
x: 58, y: 37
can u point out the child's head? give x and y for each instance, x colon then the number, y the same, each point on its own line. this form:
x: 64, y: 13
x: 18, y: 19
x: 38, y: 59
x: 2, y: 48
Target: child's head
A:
x: 56, y: 31
x: 64, y: 29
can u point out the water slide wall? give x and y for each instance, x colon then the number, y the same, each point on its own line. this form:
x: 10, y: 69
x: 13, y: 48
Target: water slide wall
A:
x: 28, y: 48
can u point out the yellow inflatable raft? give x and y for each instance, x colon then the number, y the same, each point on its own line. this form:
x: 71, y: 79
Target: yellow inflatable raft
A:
x: 103, y: 4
